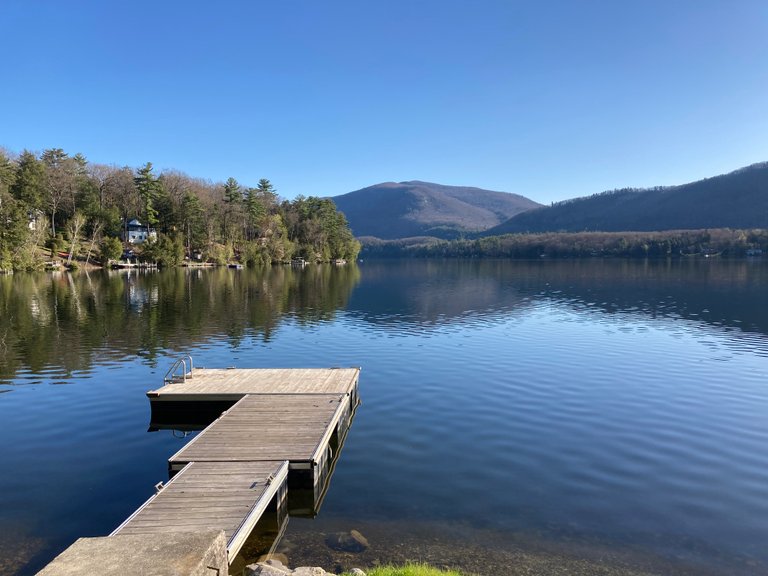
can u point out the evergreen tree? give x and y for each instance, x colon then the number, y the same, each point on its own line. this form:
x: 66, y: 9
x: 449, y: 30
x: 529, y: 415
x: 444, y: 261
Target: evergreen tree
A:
x: 266, y: 190
x: 13, y: 232
x: 29, y: 185
x: 233, y: 210
x: 260, y: 203
x: 255, y: 213
x: 111, y: 249
x: 233, y: 194
x: 192, y: 221
x: 149, y: 189
x: 7, y: 173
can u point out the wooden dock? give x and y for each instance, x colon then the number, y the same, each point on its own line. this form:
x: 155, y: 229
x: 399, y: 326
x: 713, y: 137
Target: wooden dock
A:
x: 195, y: 399
x: 267, y: 433
x: 206, y: 384
x: 260, y: 427
x: 253, y: 420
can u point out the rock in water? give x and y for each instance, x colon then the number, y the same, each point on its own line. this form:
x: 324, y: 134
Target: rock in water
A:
x: 276, y: 556
x: 310, y: 571
x: 270, y: 568
x: 351, y: 541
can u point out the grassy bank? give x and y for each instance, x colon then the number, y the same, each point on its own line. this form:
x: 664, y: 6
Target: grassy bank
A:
x: 410, y: 570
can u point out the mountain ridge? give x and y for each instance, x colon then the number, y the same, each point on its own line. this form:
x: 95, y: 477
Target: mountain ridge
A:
x: 392, y: 210
x: 736, y: 199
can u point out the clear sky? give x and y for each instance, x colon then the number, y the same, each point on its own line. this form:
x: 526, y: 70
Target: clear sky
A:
x: 549, y: 99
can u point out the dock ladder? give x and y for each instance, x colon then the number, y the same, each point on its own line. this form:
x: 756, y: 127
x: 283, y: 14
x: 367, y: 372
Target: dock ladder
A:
x: 173, y: 376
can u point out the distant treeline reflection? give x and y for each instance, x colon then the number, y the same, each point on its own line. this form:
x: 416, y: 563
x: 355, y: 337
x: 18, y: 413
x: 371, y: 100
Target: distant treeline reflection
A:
x: 421, y: 293
x: 65, y: 320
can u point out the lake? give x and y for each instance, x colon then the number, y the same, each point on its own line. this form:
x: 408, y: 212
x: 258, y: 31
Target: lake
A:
x: 606, y: 416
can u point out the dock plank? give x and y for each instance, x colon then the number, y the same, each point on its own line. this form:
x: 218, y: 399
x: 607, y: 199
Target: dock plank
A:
x: 228, y: 496
x: 207, y: 384
x: 268, y: 427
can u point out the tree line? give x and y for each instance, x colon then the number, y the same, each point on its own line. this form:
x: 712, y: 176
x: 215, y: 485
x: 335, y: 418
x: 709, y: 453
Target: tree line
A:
x: 67, y: 205
x: 667, y: 244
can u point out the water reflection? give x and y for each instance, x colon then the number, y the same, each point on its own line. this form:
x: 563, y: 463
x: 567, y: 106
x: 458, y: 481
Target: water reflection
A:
x: 423, y: 294
x: 64, y: 322
x: 57, y: 323
x: 604, y: 405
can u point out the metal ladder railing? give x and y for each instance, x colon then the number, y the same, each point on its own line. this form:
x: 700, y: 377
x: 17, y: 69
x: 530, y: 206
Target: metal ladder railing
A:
x: 172, y: 375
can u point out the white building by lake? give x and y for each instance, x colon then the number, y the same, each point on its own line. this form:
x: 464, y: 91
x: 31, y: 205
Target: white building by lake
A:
x: 137, y: 233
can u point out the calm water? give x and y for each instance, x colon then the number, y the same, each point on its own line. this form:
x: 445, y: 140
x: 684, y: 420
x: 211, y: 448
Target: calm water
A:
x: 604, y: 412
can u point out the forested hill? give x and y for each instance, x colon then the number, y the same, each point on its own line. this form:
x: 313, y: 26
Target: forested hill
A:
x: 735, y: 200
x: 407, y: 209
x: 53, y: 203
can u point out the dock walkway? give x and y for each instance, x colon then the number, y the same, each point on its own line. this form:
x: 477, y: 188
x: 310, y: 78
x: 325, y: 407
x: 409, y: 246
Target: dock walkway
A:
x: 296, y: 416
x: 229, y: 496
x: 262, y: 427
x: 266, y: 432
x: 202, y: 395
x: 206, y: 384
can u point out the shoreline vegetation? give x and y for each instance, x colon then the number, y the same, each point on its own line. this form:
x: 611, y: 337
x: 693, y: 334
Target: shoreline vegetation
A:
x: 709, y: 243
x: 55, y: 207
x: 60, y: 211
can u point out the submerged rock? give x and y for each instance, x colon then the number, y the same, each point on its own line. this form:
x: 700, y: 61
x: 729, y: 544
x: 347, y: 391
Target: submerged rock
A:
x: 307, y: 571
x: 277, y: 556
x: 351, y: 541
x: 271, y: 567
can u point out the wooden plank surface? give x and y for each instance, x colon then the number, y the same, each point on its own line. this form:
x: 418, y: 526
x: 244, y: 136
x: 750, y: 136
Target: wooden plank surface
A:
x: 229, y: 496
x: 234, y: 383
x: 267, y: 427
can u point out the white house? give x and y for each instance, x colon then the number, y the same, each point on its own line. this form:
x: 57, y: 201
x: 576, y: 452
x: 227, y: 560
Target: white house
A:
x: 136, y: 233
x: 36, y: 220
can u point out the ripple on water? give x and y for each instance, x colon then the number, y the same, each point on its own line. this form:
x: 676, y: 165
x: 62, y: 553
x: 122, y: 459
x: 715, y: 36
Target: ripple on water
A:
x: 557, y: 416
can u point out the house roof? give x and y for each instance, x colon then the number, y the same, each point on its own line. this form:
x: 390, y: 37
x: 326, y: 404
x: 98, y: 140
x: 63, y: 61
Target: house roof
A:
x: 134, y: 222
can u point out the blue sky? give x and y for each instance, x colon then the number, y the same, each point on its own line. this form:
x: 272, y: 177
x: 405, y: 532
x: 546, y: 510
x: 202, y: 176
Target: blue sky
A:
x: 549, y: 99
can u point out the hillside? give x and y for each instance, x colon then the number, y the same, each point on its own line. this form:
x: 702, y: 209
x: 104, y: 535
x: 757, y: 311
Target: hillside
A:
x: 406, y: 209
x: 738, y: 199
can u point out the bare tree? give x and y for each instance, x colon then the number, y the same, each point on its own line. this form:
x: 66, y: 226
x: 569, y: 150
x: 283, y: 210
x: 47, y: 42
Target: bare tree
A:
x: 59, y: 181
x: 74, y: 226
x: 95, y: 237
x: 101, y: 176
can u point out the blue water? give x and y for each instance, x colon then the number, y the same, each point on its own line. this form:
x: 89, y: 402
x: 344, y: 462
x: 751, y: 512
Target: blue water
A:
x: 559, y: 406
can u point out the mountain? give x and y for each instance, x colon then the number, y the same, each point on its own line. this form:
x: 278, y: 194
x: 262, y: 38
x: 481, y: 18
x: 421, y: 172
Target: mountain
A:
x: 405, y: 209
x: 738, y: 199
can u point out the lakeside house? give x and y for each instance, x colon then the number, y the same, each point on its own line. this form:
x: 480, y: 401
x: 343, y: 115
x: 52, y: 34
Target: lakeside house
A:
x: 36, y: 220
x: 137, y: 233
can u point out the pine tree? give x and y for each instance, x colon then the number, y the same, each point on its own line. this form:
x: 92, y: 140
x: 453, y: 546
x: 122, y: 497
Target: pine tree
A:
x: 233, y: 210
x: 232, y: 192
x: 7, y: 173
x: 149, y: 190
